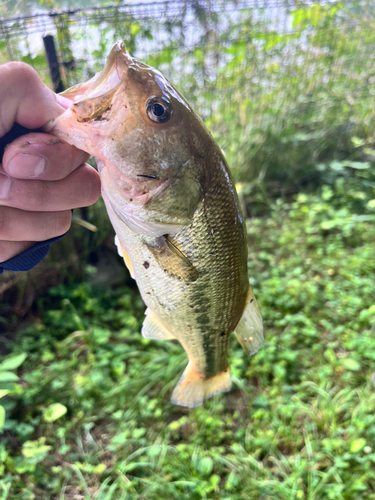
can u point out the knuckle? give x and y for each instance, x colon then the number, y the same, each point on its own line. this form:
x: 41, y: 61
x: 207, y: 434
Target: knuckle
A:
x: 39, y: 195
x: 19, y: 70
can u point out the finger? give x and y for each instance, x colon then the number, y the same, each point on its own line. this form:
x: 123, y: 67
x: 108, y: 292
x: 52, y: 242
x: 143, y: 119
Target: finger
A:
x: 9, y: 249
x: 24, y: 98
x: 41, y: 156
x: 19, y: 225
x: 79, y: 189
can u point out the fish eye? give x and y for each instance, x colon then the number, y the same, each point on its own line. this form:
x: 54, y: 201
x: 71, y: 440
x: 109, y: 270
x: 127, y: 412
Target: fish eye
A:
x: 159, y: 110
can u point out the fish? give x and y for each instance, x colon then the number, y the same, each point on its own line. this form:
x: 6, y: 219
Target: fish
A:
x: 172, y: 202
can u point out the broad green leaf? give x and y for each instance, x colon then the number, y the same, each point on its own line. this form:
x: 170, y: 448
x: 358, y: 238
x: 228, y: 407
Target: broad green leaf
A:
x: 100, y: 469
x: 337, y: 165
x: 358, y: 142
x: 31, y: 449
x: 2, y: 417
x: 54, y: 412
x: 330, y: 355
x: 13, y: 362
x: 358, y: 165
x: 205, y: 466
x: 232, y: 481
x: 4, y: 392
x: 357, y: 445
x: 8, y: 377
x: 351, y: 364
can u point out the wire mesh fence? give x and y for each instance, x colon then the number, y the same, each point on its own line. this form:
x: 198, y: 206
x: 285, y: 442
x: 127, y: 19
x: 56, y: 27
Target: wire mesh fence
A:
x: 281, y: 84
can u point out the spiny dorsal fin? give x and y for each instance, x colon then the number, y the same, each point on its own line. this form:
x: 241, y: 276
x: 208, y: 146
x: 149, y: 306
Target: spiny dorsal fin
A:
x: 172, y: 260
x: 153, y: 329
x: 249, y: 331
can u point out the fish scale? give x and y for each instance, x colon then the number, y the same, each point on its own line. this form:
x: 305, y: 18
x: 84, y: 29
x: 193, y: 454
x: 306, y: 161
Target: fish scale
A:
x: 212, y: 304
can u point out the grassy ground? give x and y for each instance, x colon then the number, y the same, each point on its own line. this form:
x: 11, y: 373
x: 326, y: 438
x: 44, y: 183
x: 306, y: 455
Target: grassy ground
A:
x: 90, y: 417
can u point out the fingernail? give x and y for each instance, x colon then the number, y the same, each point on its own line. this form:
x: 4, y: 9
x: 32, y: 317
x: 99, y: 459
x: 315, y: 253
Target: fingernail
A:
x: 63, y: 101
x: 26, y: 166
x: 4, y: 186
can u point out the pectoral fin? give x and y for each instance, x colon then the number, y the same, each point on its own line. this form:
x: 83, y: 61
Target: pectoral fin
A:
x: 123, y: 253
x: 153, y: 329
x: 172, y: 260
x: 249, y: 331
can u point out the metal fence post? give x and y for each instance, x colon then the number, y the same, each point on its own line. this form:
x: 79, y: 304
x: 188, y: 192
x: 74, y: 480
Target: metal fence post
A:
x: 53, y: 63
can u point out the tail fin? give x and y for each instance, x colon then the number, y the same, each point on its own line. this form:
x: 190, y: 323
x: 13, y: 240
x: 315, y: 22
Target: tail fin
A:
x: 192, y: 389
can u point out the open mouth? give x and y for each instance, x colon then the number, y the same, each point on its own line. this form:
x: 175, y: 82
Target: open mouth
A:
x: 95, y: 103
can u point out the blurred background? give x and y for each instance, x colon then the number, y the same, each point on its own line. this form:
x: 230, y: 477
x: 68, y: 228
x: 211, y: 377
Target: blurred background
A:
x: 287, y: 89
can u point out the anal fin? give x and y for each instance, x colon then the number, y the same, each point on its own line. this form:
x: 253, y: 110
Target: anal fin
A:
x: 153, y: 329
x: 249, y: 331
x: 192, y: 389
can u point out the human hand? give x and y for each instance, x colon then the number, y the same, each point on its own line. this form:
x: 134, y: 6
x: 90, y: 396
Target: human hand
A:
x: 41, y: 178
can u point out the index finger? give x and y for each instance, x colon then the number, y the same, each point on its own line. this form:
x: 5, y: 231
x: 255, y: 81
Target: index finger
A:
x: 41, y: 156
x: 24, y: 98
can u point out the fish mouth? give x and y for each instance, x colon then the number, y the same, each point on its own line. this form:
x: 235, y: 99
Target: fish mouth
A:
x: 94, y: 104
x: 92, y: 99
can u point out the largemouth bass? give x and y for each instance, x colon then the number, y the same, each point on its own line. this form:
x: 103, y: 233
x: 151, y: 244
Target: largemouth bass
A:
x: 173, y: 205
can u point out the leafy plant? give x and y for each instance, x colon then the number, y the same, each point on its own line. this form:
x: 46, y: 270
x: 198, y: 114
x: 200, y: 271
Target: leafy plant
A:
x: 8, y: 383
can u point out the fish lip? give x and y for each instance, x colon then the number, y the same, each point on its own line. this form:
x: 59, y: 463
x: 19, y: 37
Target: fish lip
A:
x: 112, y: 76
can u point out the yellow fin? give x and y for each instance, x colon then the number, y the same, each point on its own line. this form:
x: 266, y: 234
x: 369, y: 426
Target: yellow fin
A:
x: 153, y: 329
x: 249, y: 331
x: 172, y: 260
x: 127, y: 262
x: 193, y: 388
x: 124, y: 254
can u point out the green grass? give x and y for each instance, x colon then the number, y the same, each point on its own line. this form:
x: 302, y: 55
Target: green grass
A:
x: 299, y: 422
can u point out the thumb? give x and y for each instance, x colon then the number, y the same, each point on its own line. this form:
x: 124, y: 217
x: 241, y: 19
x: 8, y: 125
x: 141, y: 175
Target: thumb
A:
x: 25, y: 99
